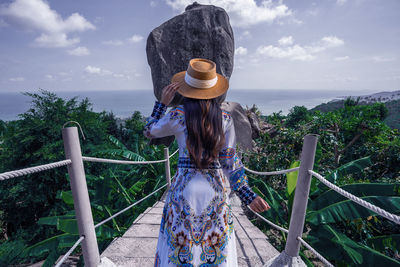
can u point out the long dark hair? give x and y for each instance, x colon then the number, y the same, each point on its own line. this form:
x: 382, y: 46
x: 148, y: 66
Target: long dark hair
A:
x: 205, y: 135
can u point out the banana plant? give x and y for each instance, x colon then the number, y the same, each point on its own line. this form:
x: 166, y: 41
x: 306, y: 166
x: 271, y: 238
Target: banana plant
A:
x: 328, y: 212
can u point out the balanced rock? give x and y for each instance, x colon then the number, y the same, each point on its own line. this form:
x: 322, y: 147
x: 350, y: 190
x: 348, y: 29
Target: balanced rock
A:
x: 202, y: 31
x: 243, y: 129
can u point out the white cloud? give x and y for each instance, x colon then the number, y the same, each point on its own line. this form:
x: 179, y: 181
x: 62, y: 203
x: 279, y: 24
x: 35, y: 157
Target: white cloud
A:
x: 342, y: 58
x: 245, y: 34
x: 331, y: 41
x: 287, y: 40
x: 17, y: 79
x: 55, y: 40
x: 295, y: 52
x: 79, y: 51
x: 382, y: 59
x: 96, y: 70
x: 153, y: 3
x: 298, y: 52
x: 113, y: 42
x: 135, y: 38
x: 50, y: 77
x: 103, y: 72
x: 341, y: 2
x: 38, y: 16
x: 242, y: 13
x: 241, y: 51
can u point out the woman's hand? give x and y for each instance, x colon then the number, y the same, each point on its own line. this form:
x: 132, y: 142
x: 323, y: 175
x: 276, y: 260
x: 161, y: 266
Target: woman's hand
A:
x: 168, y: 92
x: 259, y: 205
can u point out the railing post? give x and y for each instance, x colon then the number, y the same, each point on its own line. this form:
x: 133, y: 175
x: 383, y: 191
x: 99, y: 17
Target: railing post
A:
x: 81, y: 197
x: 301, y: 195
x: 167, y: 167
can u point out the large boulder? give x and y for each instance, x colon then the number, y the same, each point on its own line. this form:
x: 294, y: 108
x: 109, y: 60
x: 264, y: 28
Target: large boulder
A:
x: 243, y: 129
x: 201, y: 31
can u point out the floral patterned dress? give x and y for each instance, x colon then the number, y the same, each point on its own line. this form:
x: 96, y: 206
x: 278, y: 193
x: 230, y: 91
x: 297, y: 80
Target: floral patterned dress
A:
x: 197, y: 225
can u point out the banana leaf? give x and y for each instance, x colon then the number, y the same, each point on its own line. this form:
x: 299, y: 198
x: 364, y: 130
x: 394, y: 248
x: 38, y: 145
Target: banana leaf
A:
x: 380, y: 243
x: 346, y: 169
x: 46, y: 245
x: 337, y: 247
x: 126, y: 154
x: 360, y: 190
x: 53, y: 220
x: 116, y: 142
x: 105, y: 232
x: 124, y: 190
x: 67, y: 241
x: 291, y: 182
x: 67, y: 197
x: 348, y: 210
x: 69, y: 226
x: 276, y: 213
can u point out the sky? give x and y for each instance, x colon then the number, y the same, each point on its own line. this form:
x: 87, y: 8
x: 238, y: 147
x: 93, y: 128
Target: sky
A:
x: 94, y: 45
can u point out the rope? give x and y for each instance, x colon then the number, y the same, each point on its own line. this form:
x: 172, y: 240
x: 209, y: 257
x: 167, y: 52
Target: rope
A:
x: 16, y: 173
x: 127, y: 208
x: 269, y: 222
x: 170, y: 156
x: 298, y: 238
x: 91, y: 159
x: 83, y: 136
x: 319, y: 256
x: 394, y: 218
x: 70, y: 251
x: 272, y: 173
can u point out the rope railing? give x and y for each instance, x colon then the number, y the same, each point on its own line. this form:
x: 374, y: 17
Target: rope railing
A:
x: 319, y: 256
x: 129, y: 162
x: 117, y: 161
x: 16, y: 173
x: 69, y: 251
x: 272, y: 172
x: 130, y: 206
x: 394, y: 218
x: 173, y: 154
x: 269, y: 222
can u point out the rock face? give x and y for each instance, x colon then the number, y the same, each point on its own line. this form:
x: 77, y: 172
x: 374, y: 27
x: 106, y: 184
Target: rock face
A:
x: 242, y: 125
x: 201, y: 31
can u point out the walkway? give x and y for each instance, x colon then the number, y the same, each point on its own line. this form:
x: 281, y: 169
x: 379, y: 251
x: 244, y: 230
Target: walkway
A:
x: 137, y: 246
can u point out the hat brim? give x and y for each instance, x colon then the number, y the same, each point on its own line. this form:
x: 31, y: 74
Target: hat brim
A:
x: 186, y: 90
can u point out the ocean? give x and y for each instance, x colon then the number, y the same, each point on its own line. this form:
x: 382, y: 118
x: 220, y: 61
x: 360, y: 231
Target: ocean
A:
x: 124, y: 103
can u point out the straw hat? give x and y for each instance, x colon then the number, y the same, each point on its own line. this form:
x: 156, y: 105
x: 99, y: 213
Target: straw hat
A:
x: 201, y: 80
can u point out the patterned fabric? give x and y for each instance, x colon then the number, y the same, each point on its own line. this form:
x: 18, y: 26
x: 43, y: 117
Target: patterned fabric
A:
x: 158, y: 110
x: 186, y: 162
x: 197, y: 224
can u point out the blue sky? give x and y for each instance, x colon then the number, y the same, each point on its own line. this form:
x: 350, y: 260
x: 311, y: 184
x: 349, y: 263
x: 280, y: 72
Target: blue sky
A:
x: 290, y: 44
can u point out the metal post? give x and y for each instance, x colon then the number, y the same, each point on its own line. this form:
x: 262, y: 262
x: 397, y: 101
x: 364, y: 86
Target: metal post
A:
x: 301, y: 195
x: 81, y: 197
x: 167, y: 168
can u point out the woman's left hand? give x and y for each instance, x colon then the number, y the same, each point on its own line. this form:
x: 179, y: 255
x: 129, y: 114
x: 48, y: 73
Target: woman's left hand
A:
x: 259, y: 205
x: 168, y: 92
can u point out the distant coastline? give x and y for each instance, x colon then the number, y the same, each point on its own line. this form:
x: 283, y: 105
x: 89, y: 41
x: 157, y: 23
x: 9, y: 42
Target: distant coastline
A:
x: 124, y: 103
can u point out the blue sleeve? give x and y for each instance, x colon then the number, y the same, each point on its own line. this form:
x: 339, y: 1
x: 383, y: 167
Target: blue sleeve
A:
x: 233, y: 167
x: 158, y: 124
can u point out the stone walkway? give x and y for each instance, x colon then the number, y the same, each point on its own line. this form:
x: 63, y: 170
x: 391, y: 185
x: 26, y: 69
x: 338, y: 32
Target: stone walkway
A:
x: 137, y: 246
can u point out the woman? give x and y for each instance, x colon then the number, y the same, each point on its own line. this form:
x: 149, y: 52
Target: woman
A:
x: 197, y: 226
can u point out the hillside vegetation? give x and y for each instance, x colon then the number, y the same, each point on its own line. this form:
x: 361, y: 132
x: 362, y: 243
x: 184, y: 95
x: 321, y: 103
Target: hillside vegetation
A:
x: 356, y: 150
x: 392, y: 119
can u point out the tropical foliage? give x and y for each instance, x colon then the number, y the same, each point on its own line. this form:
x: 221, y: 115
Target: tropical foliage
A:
x: 45, y: 225
x: 356, y: 150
